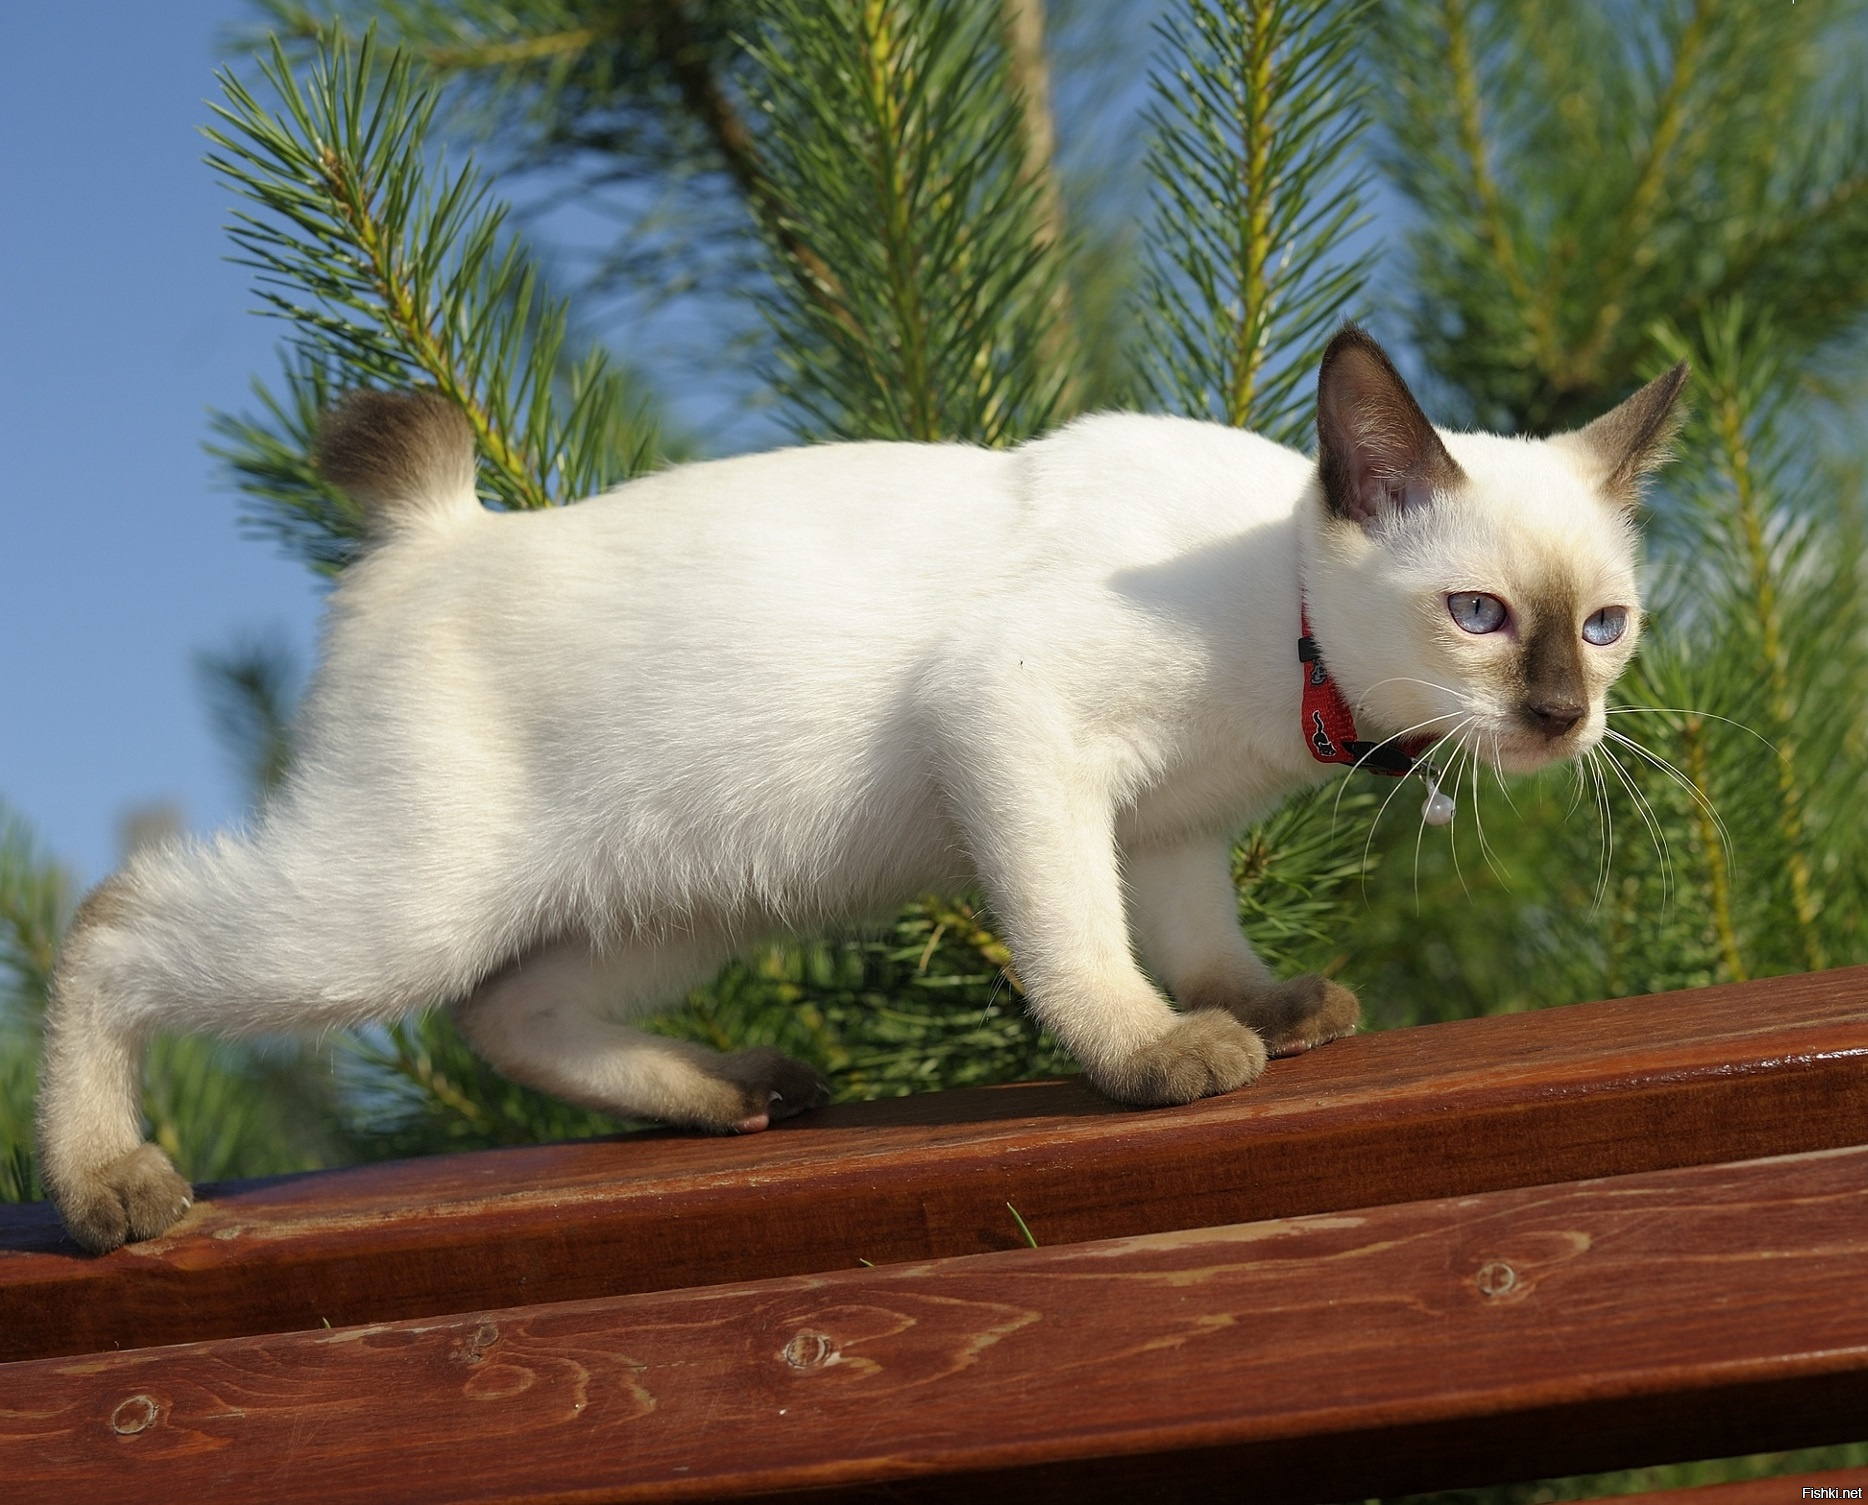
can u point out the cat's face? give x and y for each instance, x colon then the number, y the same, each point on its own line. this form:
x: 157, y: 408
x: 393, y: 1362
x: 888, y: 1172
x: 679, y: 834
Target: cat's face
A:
x: 1477, y: 587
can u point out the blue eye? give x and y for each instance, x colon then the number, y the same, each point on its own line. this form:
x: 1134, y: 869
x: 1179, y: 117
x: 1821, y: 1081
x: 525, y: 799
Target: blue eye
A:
x: 1475, y: 612
x: 1606, y: 626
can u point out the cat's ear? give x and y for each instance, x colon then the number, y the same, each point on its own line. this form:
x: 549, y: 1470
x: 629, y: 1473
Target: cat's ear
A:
x: 1627, y: 442
x: 1377, y: 452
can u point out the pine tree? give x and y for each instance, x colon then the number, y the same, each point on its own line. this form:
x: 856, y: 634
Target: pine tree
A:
x: 865, y: 200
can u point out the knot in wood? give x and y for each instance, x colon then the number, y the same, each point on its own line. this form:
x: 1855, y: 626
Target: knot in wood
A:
x: 1495, y: 1278
x: 134, y: 1415
x: 809, y: 1350
x: 473, y: 1350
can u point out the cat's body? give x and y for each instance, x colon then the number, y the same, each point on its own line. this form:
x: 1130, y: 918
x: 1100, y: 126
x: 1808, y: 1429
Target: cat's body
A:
x: 557, y: 767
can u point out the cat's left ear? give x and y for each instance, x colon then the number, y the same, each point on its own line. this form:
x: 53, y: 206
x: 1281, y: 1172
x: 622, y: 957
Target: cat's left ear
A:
x: 1629, y: 441
x: 1377, y: 453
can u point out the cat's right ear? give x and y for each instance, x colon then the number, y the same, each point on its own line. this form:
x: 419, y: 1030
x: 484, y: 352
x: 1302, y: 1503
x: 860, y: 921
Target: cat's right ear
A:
x: 1376, y: 451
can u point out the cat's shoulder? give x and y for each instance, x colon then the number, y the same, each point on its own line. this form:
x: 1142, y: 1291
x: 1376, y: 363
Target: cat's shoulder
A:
x: 1167, y: 444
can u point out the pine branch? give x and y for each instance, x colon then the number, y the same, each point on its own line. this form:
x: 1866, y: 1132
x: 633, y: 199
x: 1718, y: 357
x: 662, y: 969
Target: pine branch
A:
x: 1257, y: 112
x: 1718, y: 880
x: 643, y: 86
x: 1735, y: 374
x: 252, y: 691
x: 390, y: 274
x: 913, y: 281
x: 35, y: 900
x: 1588, y: 172
x: 1635, y: 221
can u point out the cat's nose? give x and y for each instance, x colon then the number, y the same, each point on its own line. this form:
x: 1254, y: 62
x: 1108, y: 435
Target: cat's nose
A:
x: 1555, y: 717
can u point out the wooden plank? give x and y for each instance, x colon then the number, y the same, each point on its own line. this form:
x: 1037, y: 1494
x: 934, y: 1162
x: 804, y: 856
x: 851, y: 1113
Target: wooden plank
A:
x: 1534, y: 1332
x: 1785, y: 1489
x: 1607, y: 1088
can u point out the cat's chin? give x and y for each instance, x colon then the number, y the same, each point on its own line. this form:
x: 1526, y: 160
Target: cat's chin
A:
x: 1519, y: 753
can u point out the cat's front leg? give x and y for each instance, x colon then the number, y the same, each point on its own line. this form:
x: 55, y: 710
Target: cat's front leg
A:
x: 1044, y: 844
x: 1187, y: 922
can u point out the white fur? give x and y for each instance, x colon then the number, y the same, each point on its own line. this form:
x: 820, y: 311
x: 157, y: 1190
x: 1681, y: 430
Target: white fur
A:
x: 575, y: 759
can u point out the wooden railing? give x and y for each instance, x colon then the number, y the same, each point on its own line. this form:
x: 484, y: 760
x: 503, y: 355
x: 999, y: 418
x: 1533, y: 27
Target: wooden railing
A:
x: 1508, y: 1248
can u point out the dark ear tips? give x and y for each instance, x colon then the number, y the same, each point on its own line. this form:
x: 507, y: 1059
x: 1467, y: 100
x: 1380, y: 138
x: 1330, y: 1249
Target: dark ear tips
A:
x: 1376, y: 452
x: 1635, y: 438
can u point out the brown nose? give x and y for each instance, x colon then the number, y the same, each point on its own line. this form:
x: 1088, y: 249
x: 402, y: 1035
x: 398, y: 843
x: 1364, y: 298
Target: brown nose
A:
x: 1555, y: 717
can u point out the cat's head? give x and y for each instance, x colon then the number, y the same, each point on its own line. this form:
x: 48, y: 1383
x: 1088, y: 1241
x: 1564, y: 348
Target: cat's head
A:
x: 1470, y: 585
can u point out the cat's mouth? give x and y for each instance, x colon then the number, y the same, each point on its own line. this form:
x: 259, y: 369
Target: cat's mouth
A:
x: 1511, y: 746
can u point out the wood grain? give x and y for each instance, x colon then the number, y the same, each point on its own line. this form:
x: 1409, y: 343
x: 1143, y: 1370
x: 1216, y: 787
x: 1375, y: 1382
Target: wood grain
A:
x: 1535, y: 1332
x: 1607, y: 1088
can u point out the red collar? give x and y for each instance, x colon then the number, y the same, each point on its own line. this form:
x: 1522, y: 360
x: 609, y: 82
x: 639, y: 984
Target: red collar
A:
x: 1330, y: 726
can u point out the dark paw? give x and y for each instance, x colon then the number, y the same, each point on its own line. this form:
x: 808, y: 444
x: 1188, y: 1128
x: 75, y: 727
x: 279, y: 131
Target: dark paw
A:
x: 1201, y: 1054
x: 773, y: 1086
x: 136, y: 1197
x: 1307, y: 1011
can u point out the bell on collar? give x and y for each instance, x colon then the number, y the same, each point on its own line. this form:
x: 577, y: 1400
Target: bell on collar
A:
x: 1438, y: 808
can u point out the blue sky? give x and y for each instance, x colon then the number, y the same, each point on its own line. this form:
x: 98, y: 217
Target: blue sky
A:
x: 121, y: 326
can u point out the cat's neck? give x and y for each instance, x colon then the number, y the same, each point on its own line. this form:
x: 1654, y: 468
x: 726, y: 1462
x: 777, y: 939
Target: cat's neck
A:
x: 1351, y: 639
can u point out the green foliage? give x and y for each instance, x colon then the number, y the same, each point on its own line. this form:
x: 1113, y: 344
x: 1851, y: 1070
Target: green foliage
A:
x: 1583, y: 170
x: 913, y: 291
x: 251, y: 689
x: 1643, y: 1480
x: 610, y: 99
x: 393, y: 273
x: 35, y: 898
x: 221, y: 1110
x: 1257, y: 114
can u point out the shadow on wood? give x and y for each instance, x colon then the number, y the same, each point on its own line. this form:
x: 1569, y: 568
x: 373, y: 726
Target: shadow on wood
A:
x: 1482, y: 1105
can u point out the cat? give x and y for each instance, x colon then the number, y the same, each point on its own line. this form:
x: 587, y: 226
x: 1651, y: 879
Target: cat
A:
x: 557, y: 767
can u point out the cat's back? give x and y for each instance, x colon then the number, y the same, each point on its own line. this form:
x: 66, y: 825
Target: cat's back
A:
x: 843, y: 534
x: 1141, y: 487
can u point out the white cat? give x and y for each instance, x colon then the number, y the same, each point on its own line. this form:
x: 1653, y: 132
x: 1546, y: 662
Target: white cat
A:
x: 557, y: 767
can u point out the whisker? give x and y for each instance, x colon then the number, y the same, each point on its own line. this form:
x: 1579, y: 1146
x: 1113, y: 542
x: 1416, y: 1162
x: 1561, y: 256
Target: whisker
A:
x: 1478, y: 825
x: 1336, y: 807
x: 1677, y: 710
x: 1576, y: 767
x: 1369, y: 841
x: 1647, y: 814
x: 1607, y: 827
x: 1692, y: 789
x: 1406, y: 679
x: 1498, y: 773
x: 1421, y: 832
x: 1452, y: 838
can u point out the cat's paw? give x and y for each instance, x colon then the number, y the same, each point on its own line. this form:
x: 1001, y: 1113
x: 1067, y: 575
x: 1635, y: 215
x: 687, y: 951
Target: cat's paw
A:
x: 1305, y: 1011
x: 134, y: 1197
x: 772, y: 1086
x: 1201, y: 1054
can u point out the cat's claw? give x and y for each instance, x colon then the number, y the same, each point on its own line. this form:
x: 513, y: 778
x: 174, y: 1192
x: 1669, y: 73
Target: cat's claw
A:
x: 772, y: 1086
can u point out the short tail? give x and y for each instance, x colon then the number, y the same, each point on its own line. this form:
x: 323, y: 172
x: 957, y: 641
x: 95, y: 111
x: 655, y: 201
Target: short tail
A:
x: 400, y: 455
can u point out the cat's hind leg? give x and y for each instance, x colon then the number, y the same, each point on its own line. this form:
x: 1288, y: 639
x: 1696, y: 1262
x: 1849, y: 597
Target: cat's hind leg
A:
x: 552, y: 1021
x: 1186, y: 917
x: 108, y: 1185
x: 241, y: 936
